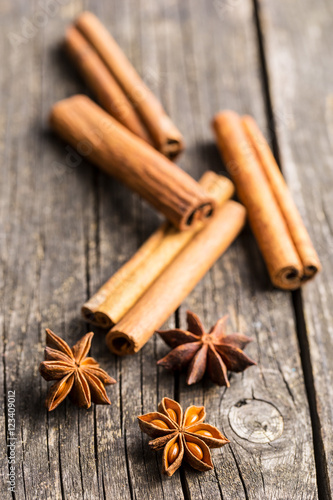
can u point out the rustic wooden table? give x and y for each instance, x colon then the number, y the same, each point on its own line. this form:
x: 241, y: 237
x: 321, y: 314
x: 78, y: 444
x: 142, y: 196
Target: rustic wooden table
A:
x: 66, y: 227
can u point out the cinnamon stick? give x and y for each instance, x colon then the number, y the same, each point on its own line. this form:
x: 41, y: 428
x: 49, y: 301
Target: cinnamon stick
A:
x: 273, y: 216
x: 166, y: 137
x: 177, y: 281
x: 298, y: 232
x: 113, y: 148
x: 121, y: 279
x: 100, y: 80
x: 129, y: 283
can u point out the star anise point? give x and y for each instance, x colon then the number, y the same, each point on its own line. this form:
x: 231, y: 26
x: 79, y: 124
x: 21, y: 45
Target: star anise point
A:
x: 77, y: 376
x: 201, y: 351
x: 183, y: 436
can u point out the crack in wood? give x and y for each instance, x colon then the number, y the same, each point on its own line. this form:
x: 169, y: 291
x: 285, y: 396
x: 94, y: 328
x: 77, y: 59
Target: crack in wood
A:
x: 320, y: 455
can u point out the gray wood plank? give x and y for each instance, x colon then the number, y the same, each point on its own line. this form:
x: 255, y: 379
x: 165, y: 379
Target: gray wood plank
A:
x: 22, y: 260
x: 298, y: 45
x: 223, y: 71
x: 68, y: 227
x: 45, y: 281
x: 5, y: 206
x: 124, y: 223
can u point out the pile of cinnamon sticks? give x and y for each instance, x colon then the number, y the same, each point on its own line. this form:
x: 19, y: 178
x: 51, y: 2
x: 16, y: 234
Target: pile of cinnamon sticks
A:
x: 133, y: 139
x: 118, y: 87
x: 275, y: 221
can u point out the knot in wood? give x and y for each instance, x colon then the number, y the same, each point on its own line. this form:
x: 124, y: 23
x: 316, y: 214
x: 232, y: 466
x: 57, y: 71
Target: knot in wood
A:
x: 256, y: 421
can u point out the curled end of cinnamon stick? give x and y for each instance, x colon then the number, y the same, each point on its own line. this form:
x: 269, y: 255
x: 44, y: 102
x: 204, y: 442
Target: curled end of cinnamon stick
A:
x: 311, y: 263
x: 89, y: 315
x: 103, y: 320
x: 173, y: 148
x: 311, y: 270
x: 200, y: 213
x: 171, y: 140
x: 288, y: 278
x: 96, y: 318
x: 119, y: 343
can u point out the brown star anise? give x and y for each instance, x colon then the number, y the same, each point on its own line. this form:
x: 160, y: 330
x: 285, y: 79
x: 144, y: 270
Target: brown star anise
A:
x: 181, y: 436
x: 76, y: 374
x: 214, y: 352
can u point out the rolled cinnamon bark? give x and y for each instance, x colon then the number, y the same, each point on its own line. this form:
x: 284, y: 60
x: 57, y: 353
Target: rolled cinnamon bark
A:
x: 91, y: 310
x: 129, y: 283
x: 298, y: 232
x: 98, y: 136
x: 166, y: 137
x: 100, y: 80
x: 177, y: 281
x: 263, y: 192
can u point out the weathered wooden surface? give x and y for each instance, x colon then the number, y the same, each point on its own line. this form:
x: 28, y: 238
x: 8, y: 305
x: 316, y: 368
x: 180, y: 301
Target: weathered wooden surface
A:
x: 298, y: 45
x: 66, y: 227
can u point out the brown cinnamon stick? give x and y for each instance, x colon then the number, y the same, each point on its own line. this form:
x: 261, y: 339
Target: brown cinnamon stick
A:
x: 273, y: 216
x: 100, y: 80
x: 177, y: 281
x: 129, y: 283
x: 91, y: 310
x: 165, y: 135
x: 298, y: 232
x: 113, y: 148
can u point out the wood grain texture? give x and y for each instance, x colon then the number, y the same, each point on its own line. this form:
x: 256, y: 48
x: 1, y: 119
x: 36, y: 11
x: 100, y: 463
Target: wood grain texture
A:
x: 298, y: 44
x: 66, y: 227
x: 245, y: 469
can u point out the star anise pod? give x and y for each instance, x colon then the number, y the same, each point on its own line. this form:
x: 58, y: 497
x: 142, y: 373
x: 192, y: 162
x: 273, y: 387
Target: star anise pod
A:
x: 182, y: 436
x: 214, y: 352
x: 77, y: 375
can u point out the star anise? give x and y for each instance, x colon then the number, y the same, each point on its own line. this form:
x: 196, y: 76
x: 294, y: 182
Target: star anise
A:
x: 76, y: 374
x: 182, y: 436
x: 214, y: 352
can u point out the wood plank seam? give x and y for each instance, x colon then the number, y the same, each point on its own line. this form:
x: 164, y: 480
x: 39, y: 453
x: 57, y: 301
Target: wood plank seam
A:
x: 302, y: 334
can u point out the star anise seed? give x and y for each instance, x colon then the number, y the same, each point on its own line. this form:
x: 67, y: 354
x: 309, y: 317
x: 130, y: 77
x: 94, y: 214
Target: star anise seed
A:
x: 77, y: 375
x: 182, y: 436
x: 214, y: 352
